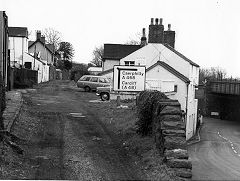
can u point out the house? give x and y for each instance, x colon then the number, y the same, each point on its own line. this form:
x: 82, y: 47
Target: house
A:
x: 4, y: 60
x: 18, y: 46
x: 43, y: 50
x: 114, y: 52
x: 167, y: 70
x: 21, y: 58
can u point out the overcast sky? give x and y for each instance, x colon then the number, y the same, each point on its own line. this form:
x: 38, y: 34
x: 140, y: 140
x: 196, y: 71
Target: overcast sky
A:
x: 207, y: 31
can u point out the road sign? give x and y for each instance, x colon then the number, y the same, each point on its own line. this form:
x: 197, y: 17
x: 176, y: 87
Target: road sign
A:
x: 129, y: 78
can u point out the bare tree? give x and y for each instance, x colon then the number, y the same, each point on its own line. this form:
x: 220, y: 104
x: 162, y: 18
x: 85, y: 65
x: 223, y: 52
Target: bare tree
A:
x: 52, y: 37
x: 136, y: 40
x: 97, y: 56
x: 213, y: 73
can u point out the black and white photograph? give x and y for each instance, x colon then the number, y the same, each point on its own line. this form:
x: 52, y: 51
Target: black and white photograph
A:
x: 120, y: 90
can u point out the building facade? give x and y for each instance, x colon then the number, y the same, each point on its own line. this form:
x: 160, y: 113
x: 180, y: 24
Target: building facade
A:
x: 18, y: 46
x: 167, y: 70
x: 4, y: 59
x: 41, y: 49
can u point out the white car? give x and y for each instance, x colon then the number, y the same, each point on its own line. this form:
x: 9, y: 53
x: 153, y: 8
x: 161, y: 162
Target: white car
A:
x: 91, y: 82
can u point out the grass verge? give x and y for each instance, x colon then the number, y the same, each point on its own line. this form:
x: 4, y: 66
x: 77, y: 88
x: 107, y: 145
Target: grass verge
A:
x: 122, y: 121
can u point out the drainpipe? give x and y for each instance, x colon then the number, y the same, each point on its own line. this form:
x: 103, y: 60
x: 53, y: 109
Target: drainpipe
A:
x: 34, y: 57
x: 22, y: 50
x: 187, y: 99
x: 186, y: 106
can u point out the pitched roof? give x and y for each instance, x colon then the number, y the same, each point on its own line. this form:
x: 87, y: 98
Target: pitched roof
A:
x: 30, y: 43
x: 18, y: 32
x: 180, y: 55
x: 36, y: 58
x: 170, y: 69
x: 49, y: 47
x: 118, y: 51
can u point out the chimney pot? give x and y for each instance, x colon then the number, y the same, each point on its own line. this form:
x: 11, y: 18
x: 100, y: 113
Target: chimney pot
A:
x: 169, y: 27
x: 143, y: 39
x: 143, y: 32
x: 43, y: 39
x: 152, y: 21
x: 161, y: 20
x: 156, y: 21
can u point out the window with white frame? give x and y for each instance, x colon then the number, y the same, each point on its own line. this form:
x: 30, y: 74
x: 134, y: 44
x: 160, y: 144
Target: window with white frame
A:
x: 129, y: 63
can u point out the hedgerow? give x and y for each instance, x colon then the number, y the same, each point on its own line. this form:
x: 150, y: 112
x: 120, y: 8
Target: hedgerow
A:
x: 145, y: 107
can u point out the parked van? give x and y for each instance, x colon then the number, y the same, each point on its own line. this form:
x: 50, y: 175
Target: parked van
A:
x: 91, y: 82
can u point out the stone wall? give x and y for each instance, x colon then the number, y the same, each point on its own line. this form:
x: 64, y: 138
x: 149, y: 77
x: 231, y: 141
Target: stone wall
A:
x: 170, y: 137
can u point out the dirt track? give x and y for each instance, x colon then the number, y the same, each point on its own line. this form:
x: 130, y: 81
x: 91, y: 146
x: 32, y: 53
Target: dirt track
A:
x: 63, y: 138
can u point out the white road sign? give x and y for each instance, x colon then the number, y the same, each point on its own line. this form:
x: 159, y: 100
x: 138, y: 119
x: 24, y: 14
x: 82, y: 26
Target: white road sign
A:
x: 129, y: 78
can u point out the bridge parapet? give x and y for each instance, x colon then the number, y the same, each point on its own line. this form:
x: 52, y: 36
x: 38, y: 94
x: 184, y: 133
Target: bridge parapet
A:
x: 225, y: 87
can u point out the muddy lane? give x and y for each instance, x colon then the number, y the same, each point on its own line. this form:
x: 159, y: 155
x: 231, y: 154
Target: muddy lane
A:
x: 71, y: 141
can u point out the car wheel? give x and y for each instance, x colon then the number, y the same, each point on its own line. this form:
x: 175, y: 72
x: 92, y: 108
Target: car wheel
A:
x: 87, y: 89
x: 105, y: 96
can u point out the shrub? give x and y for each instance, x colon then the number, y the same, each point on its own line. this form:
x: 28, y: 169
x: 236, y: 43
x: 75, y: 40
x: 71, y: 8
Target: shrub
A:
x: 145, y: 107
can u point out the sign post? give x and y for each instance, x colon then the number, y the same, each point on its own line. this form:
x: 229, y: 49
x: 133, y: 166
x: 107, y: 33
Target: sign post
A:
x: 129, y: 78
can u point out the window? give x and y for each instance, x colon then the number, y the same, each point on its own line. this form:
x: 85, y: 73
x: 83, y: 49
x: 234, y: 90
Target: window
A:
x: 87, y: 78
x: 28, y: 65
x: 175, y: 88
x: 129, y: 63
x: 102, y: 80
x: 84, y: 78
x: 94, y: 79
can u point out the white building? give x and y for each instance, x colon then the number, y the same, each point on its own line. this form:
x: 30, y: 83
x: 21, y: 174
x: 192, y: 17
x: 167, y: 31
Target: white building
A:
x: 169, y: 71
x: 18, y: 45
x: 19, y: 56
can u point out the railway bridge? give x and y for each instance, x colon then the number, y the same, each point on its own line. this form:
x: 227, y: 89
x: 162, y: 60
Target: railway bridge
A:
x: 222, y: 99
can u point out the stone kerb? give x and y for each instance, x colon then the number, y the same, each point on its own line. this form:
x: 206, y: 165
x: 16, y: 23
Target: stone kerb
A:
x: 170, y: 137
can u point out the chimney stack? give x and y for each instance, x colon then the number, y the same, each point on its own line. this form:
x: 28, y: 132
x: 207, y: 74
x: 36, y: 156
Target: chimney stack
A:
x: 38, y: 35
x: 143, y: 39
x: 42, y: 39
x: 156, y: 32
x: 169, y: 36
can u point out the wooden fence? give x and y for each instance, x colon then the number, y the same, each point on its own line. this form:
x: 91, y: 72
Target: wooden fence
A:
x: 23, y: 78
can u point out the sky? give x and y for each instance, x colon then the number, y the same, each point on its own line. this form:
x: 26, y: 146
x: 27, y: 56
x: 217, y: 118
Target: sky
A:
x: 207, y: 31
